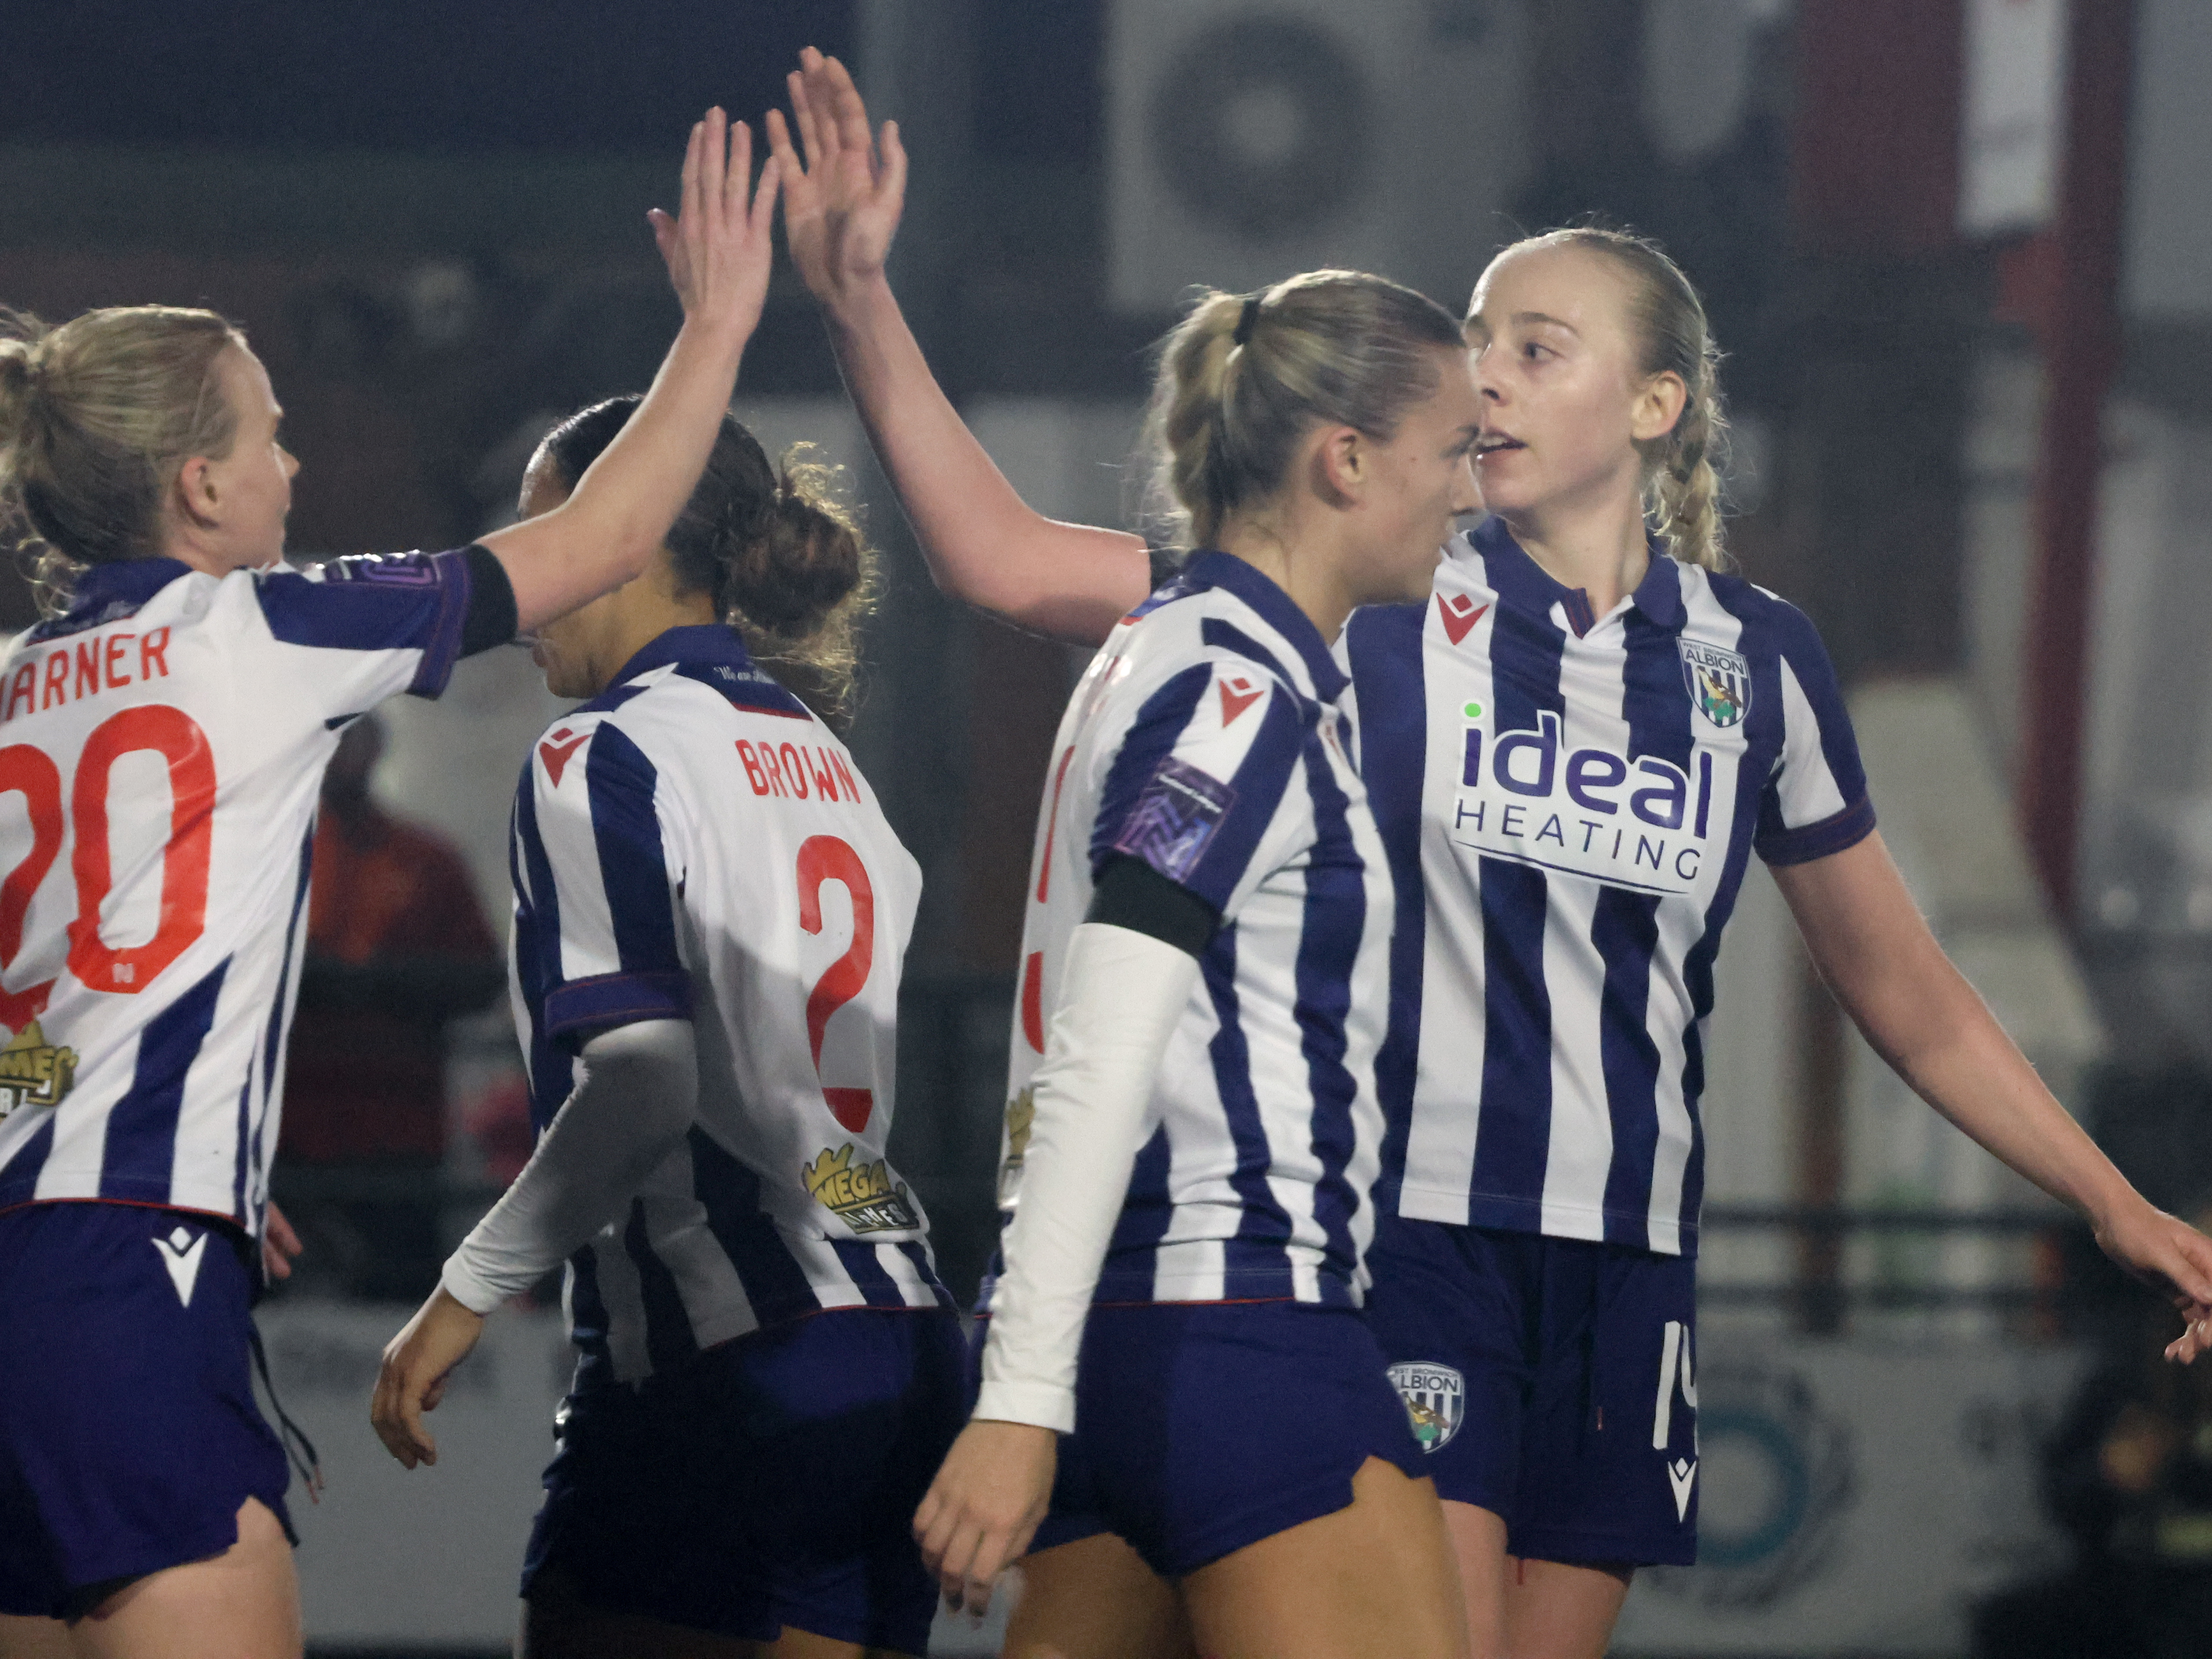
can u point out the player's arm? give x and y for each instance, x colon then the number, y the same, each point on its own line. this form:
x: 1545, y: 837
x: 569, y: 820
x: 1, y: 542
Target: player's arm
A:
x: 1871, y: 944
x: 984, y: 545
x: 630, y: 1108
x: 718, y: 250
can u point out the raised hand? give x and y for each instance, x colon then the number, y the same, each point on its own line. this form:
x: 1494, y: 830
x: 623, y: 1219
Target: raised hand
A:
x: 719, y: 249
x: 841, y: 205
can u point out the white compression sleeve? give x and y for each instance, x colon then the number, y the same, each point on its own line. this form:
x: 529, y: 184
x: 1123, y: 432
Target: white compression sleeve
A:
x: 1121, y: 993
x: 632, y: 1104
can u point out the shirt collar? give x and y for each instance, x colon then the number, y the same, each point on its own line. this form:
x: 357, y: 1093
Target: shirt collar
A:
x: 1208, y: 568
x: 704, y: 643
x: 107, y: 591
x: 1519, y: 581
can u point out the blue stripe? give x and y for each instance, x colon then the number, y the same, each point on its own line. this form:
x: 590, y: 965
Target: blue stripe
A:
x: 20, y: 1180
x: 1264, y: 1222
x: 1334, y: 919
x: 867, y: 1274
x: 588, y: 1321
x: 669, y: 1342
x: 1151, y: 738
x: 279, y: 1022
x: 917, y: 1251
x: 537, y: 951
x: 140, y: 1152
x: 1147, y: 1210
x: 1384, y: 643
x: 774, y: 1284
x: 388, y: 602
x: 633, y: 865
x: 1625, y: 931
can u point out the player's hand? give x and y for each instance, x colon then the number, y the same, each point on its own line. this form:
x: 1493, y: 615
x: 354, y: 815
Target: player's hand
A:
x: 279, y: 1244
x: 841, y: 205
x: 2172, y: 1257
x: 719, y: 248
x: 984, y: 1506
x: 416, y: 1363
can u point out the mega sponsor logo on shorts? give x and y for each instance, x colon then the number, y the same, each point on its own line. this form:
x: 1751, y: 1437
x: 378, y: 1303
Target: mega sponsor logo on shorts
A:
x: 33, y: 1072
x: 1525, y: 796
x: 863, y: 1195
x: 1435, y: 1400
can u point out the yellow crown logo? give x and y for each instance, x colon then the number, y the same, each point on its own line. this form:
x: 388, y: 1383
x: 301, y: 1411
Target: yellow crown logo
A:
x: 863, y: 1194
x: 35, y: 1072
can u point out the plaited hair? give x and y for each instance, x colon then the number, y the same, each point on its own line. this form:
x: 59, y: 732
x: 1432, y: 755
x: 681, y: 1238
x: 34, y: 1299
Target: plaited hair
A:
x: 1329, y: 347
x: 779, y: 552
x: 1681, y: 470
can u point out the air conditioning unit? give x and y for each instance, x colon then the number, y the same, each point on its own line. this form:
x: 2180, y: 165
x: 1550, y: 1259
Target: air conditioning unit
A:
x: 1249, y: 139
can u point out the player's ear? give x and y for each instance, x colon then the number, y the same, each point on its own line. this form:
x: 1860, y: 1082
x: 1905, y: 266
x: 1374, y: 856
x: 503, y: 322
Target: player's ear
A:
x: 1342, y: 463
x: 197, y: 494
x: 1658, y: 405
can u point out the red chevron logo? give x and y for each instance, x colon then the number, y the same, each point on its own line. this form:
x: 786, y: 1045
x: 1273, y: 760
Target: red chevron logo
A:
x: 1238, y: 695
x: 1460, y: 613
x: 555, y: 752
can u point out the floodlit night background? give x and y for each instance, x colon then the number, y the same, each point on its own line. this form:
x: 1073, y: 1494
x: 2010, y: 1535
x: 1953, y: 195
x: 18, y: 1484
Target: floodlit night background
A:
x: 1959, y: 254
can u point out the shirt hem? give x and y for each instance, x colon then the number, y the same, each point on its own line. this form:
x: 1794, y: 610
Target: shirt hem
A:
x: 1504, y: 1213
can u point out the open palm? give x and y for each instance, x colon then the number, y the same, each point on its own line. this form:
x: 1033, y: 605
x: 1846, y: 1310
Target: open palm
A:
x: 841, y: 207
x: 718, y: 246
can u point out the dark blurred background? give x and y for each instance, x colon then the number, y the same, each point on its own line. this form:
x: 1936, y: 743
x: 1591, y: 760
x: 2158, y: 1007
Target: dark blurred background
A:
x: 1957, y: 253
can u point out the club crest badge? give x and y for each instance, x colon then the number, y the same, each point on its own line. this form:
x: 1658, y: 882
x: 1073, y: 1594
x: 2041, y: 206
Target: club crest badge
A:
x: 1435, y: 1400
x: 863, y: 1195
x: 33, y: 1072
x: 1719, y: 682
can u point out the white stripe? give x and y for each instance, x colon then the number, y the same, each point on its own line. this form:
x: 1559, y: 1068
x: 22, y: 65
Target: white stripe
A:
x: 912, y: 1290
x: 1804, y: 785
x: 1579, y: 1153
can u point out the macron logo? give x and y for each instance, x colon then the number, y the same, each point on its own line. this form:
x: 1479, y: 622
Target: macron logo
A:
x: 181, y: 1253
x: 1460, y: 613
x: 556, y: 749
x: 1682, y: 1475
x: 1238, y: 695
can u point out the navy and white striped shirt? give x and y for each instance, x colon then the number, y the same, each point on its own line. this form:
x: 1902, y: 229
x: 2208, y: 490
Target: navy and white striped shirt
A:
x: 162, y: 752
x: 1569, y: 802
x: 1206, y: 740
x: 694, y: 844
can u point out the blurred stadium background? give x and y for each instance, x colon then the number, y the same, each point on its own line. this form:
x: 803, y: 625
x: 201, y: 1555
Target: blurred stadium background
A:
x: 1960, y: 253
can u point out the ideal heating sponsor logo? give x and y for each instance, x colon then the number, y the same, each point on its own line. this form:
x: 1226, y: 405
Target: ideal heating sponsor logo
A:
x: 1525, y: 796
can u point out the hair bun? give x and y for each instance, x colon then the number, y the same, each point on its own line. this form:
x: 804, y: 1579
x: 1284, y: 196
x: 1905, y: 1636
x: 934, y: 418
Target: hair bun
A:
x: 809, y: 560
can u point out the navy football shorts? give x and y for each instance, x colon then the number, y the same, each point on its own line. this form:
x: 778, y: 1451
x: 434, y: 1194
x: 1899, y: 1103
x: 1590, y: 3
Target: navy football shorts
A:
x: 1550, y: 1381
x: 129, y: 1434
x: 769, y: 1482
x: 1202, y: 1427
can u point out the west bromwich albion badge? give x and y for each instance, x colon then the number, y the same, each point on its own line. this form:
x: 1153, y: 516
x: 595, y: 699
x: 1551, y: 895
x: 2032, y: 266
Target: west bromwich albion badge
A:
x: 1719, y: 682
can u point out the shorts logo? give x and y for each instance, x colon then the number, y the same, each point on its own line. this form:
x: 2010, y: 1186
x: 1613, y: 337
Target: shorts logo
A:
x: 1719, y: 682
x: 1435, y: 1400
x: 33, y: 1072
x: 1682, y: 1475
x: 864, y: 1196
x: 1174, y: 817
x: 180, y: 1252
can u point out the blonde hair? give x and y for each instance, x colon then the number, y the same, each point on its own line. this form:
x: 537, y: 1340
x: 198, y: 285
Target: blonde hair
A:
x: 778, y: 549
x: 95, y: 416
x: 1682, y: 469
x: 1244, y: 377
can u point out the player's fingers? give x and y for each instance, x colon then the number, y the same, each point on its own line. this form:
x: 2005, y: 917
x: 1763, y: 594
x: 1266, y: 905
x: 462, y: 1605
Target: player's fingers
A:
x: 713, y: 169
x: 687, y: 205
x: 279, y: 1228
x: 802, y: 114
x: 952, y: 1565
x: 779, y: 141
x: 739, y: 181
x: 891, y: 186
x: 851, y: 113
x: 384, y: 1417
x: 763, y: 213
x: 991, y: 1554
x: 2196, y: 1252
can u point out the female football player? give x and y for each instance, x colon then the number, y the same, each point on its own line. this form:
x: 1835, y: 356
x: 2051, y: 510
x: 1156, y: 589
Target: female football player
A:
x: 162, y: 751
x: 710, y: 916
x: 1572, y: 747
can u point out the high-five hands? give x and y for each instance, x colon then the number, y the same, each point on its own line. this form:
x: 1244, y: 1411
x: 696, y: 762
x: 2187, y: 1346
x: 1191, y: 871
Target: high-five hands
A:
x: 841, y: 205
x: 719, y: 249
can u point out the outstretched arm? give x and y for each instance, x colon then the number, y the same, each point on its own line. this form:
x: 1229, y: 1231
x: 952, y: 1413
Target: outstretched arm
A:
x: 1876, y: 953
x: 984, y: 545
x: 719, y: 253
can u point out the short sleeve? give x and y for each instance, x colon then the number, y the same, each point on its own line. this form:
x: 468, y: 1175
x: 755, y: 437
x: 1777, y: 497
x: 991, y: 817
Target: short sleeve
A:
x: 387, y: 622
x: 1815, y: 802
x: 594, y: 814
x: 1198, y: 787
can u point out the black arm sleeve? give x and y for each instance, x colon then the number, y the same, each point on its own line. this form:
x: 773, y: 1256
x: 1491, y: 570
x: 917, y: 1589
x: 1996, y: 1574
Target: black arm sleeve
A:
x: 1131, y: 894
x: 491, y: 619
